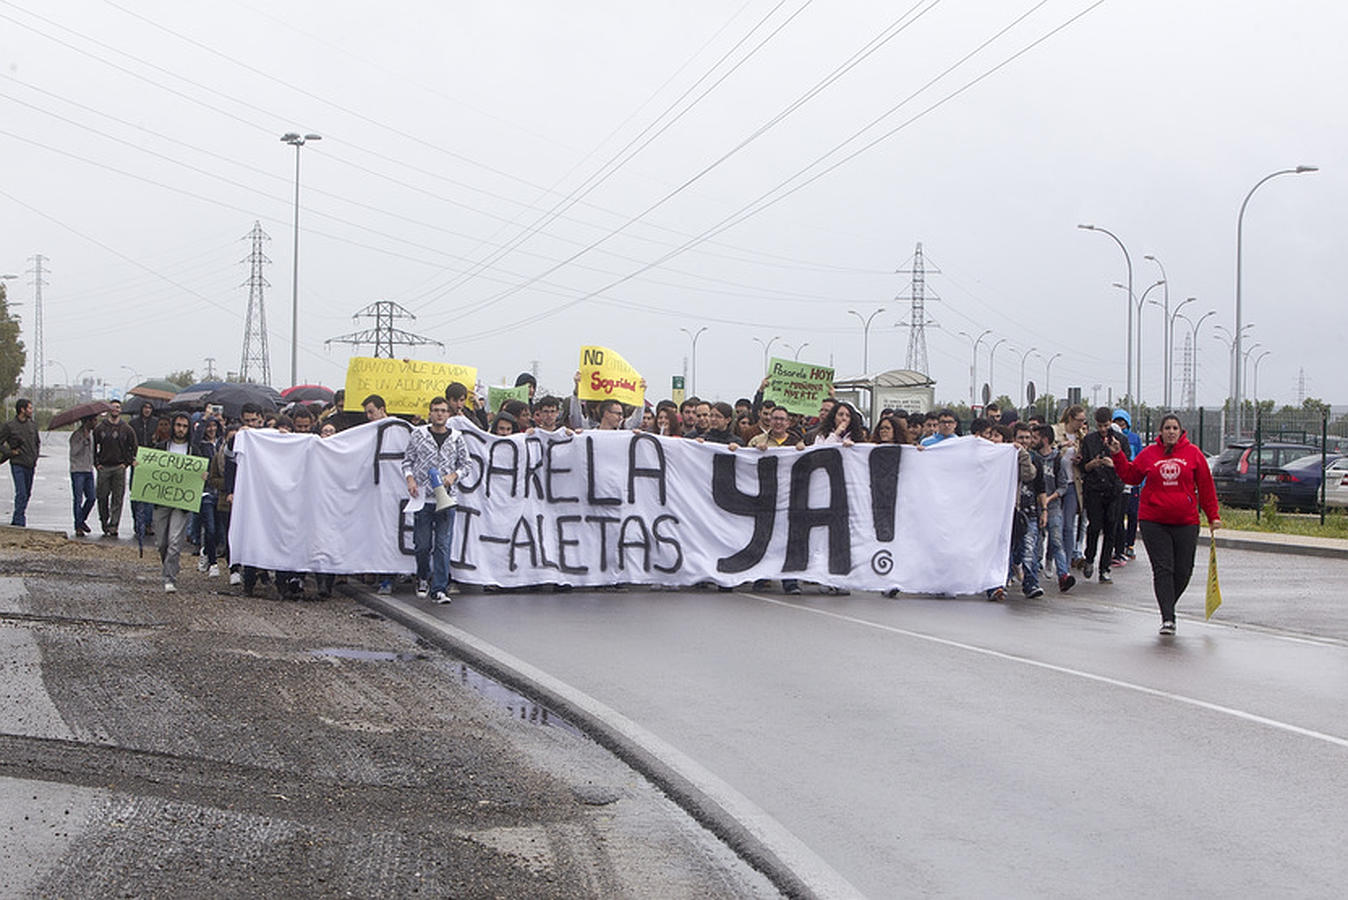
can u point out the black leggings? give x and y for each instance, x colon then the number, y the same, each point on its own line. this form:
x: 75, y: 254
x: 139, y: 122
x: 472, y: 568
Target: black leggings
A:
x: 1171, y: 551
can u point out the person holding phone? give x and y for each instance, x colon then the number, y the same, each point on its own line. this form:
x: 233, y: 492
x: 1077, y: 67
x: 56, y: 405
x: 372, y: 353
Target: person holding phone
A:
x: 1177, y: 485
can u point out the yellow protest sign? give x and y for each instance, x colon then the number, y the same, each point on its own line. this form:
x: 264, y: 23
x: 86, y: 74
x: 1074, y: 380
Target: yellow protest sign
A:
x: 407, y: 385
x: 1214, y: 595
x: 604, y: 375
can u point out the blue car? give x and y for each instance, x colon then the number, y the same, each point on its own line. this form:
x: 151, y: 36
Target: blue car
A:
x: 1297, y: 484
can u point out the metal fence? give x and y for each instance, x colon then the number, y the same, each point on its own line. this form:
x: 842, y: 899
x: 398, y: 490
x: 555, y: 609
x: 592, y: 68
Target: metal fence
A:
x: 1207, y: 428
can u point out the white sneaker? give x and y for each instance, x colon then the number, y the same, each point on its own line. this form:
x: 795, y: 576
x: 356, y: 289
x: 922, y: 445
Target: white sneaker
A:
x: 441, y: 597
x: 214, y: 571
x: 235, y: 578
x: 170, y: 588
x: 201, y: 562
x: 423, y: 588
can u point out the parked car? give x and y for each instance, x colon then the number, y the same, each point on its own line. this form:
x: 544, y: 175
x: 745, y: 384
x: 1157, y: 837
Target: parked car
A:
x: 1297, y: 484
x: 1336, y: 483
x: 1234, y: 472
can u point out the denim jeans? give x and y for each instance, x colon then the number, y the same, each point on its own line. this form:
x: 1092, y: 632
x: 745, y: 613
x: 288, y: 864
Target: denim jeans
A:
x: 1056, y: 551
x: 23, y: 489
x: 1070, y: 509
x: 1029, y: 557
x: 431, y: 533
x: 209, y: 535
x: 82, y: 494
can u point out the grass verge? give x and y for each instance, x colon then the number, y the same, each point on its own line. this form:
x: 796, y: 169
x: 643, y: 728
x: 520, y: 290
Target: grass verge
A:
x: 1275, y: 522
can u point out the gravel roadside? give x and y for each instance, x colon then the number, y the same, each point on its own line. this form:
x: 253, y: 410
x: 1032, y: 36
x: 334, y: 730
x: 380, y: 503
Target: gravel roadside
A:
x: 203, y: 743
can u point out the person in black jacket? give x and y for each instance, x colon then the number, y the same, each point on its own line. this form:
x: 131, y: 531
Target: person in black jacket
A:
x: 1102, y: 493
x: 20, y: 444
x: 114, y: 450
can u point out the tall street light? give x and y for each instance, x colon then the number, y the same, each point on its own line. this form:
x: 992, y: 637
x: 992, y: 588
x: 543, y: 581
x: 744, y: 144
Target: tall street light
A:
x: 1023, y: 357
x: 1128, y: 390
x: 1257, y: 360
x: 1165, y: 332
x: 866, y: 338
x: 296, y: 140
x: 1048, y: 374
x: 1170, y: 352
x: 692, y: 388
x: 1240, y: 239
x: 1138, y: 301
x: 992, y: 357
x: 973, y: 366
x: 767, y: 347
x: 796, y: 351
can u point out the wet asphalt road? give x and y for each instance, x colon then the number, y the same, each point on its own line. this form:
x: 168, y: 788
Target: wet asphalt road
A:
x: 958, y: 747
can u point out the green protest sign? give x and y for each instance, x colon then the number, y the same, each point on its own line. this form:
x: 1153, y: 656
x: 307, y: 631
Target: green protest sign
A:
x: 798, y: 386
x: 497, y: 396
x: 169, y: 479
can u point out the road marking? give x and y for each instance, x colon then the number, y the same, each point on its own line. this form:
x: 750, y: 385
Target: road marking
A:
x: 1066, y: 670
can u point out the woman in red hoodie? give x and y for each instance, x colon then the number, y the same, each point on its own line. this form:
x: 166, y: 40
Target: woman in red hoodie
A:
x: 1178, y: 484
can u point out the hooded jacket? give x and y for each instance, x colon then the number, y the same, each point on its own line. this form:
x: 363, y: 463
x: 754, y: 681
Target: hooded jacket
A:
x: 1178, y: 482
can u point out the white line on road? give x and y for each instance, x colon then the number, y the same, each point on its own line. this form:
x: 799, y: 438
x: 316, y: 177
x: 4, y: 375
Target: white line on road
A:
x: 1065, y: 670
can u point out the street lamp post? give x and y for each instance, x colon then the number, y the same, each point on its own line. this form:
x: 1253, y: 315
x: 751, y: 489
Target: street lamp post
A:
x: 866, y: 337
x: 992, y: 357
x: 296, y: 140
x: 692, y: 387
x: 1048, y: 374
x: 1170, y: 352
x: 135, y: 376
x: 1257, y: 360
x: 1240, y: 239
x: 1129, y: 260
x: 64, y: 373
x: 1193, y: 344
x: 796, y: 351
x: 767, y: 347
x: 1138, y: 303
x: 973, y: 366
x: 1023, y: 357
x: 1165, y: 332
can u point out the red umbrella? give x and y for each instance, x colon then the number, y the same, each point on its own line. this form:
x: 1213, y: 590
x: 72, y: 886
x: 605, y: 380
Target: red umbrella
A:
x: 308, y: 393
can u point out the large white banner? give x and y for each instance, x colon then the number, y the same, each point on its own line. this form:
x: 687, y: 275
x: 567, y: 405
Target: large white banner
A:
x: 599, y: 508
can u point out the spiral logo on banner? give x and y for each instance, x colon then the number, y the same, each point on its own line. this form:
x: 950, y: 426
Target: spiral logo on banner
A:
x: 882, y: 563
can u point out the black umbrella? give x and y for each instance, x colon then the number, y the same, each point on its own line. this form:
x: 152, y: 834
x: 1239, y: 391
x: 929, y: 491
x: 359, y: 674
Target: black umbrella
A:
x: 233, y: 396
x: 194, y: 396
x: 307, y: 393
x: 75, y: 413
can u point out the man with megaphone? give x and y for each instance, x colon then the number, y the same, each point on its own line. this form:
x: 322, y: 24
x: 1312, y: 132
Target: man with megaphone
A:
x: 434, y: 461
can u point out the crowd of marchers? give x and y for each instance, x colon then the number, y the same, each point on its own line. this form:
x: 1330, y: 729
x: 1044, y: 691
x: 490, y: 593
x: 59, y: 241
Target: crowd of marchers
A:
x: 1082, y: 488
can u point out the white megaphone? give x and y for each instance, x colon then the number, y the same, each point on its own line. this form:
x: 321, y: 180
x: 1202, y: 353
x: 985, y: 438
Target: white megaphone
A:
x: 442, y: 498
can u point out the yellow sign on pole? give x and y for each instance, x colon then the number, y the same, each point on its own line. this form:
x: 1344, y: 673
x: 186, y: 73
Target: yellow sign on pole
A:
x: 407, y: 385
x: 1214, y: 594
x: 604, y: 375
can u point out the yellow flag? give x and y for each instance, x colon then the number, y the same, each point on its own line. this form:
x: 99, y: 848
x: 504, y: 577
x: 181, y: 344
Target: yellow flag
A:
x: 1214, y: 595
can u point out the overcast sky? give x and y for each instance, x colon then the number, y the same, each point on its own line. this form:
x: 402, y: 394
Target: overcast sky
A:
x: 500, y: 169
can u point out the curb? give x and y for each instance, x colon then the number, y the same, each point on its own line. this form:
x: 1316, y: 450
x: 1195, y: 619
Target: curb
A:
x: 752, y: 835
x: 1237, y: 543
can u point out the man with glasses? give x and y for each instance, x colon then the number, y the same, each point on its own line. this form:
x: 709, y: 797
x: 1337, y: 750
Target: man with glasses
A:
x: 946, y: 423
x: 434, y: 448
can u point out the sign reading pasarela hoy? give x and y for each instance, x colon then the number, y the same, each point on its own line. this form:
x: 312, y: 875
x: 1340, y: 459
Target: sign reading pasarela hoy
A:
x: 169, y: 479
x: 798, y: 386
x: 407, y: 385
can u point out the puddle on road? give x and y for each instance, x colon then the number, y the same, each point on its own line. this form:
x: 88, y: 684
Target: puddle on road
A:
x: 369, y: 655
x: 518, y: 705
x: 515, y: 703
